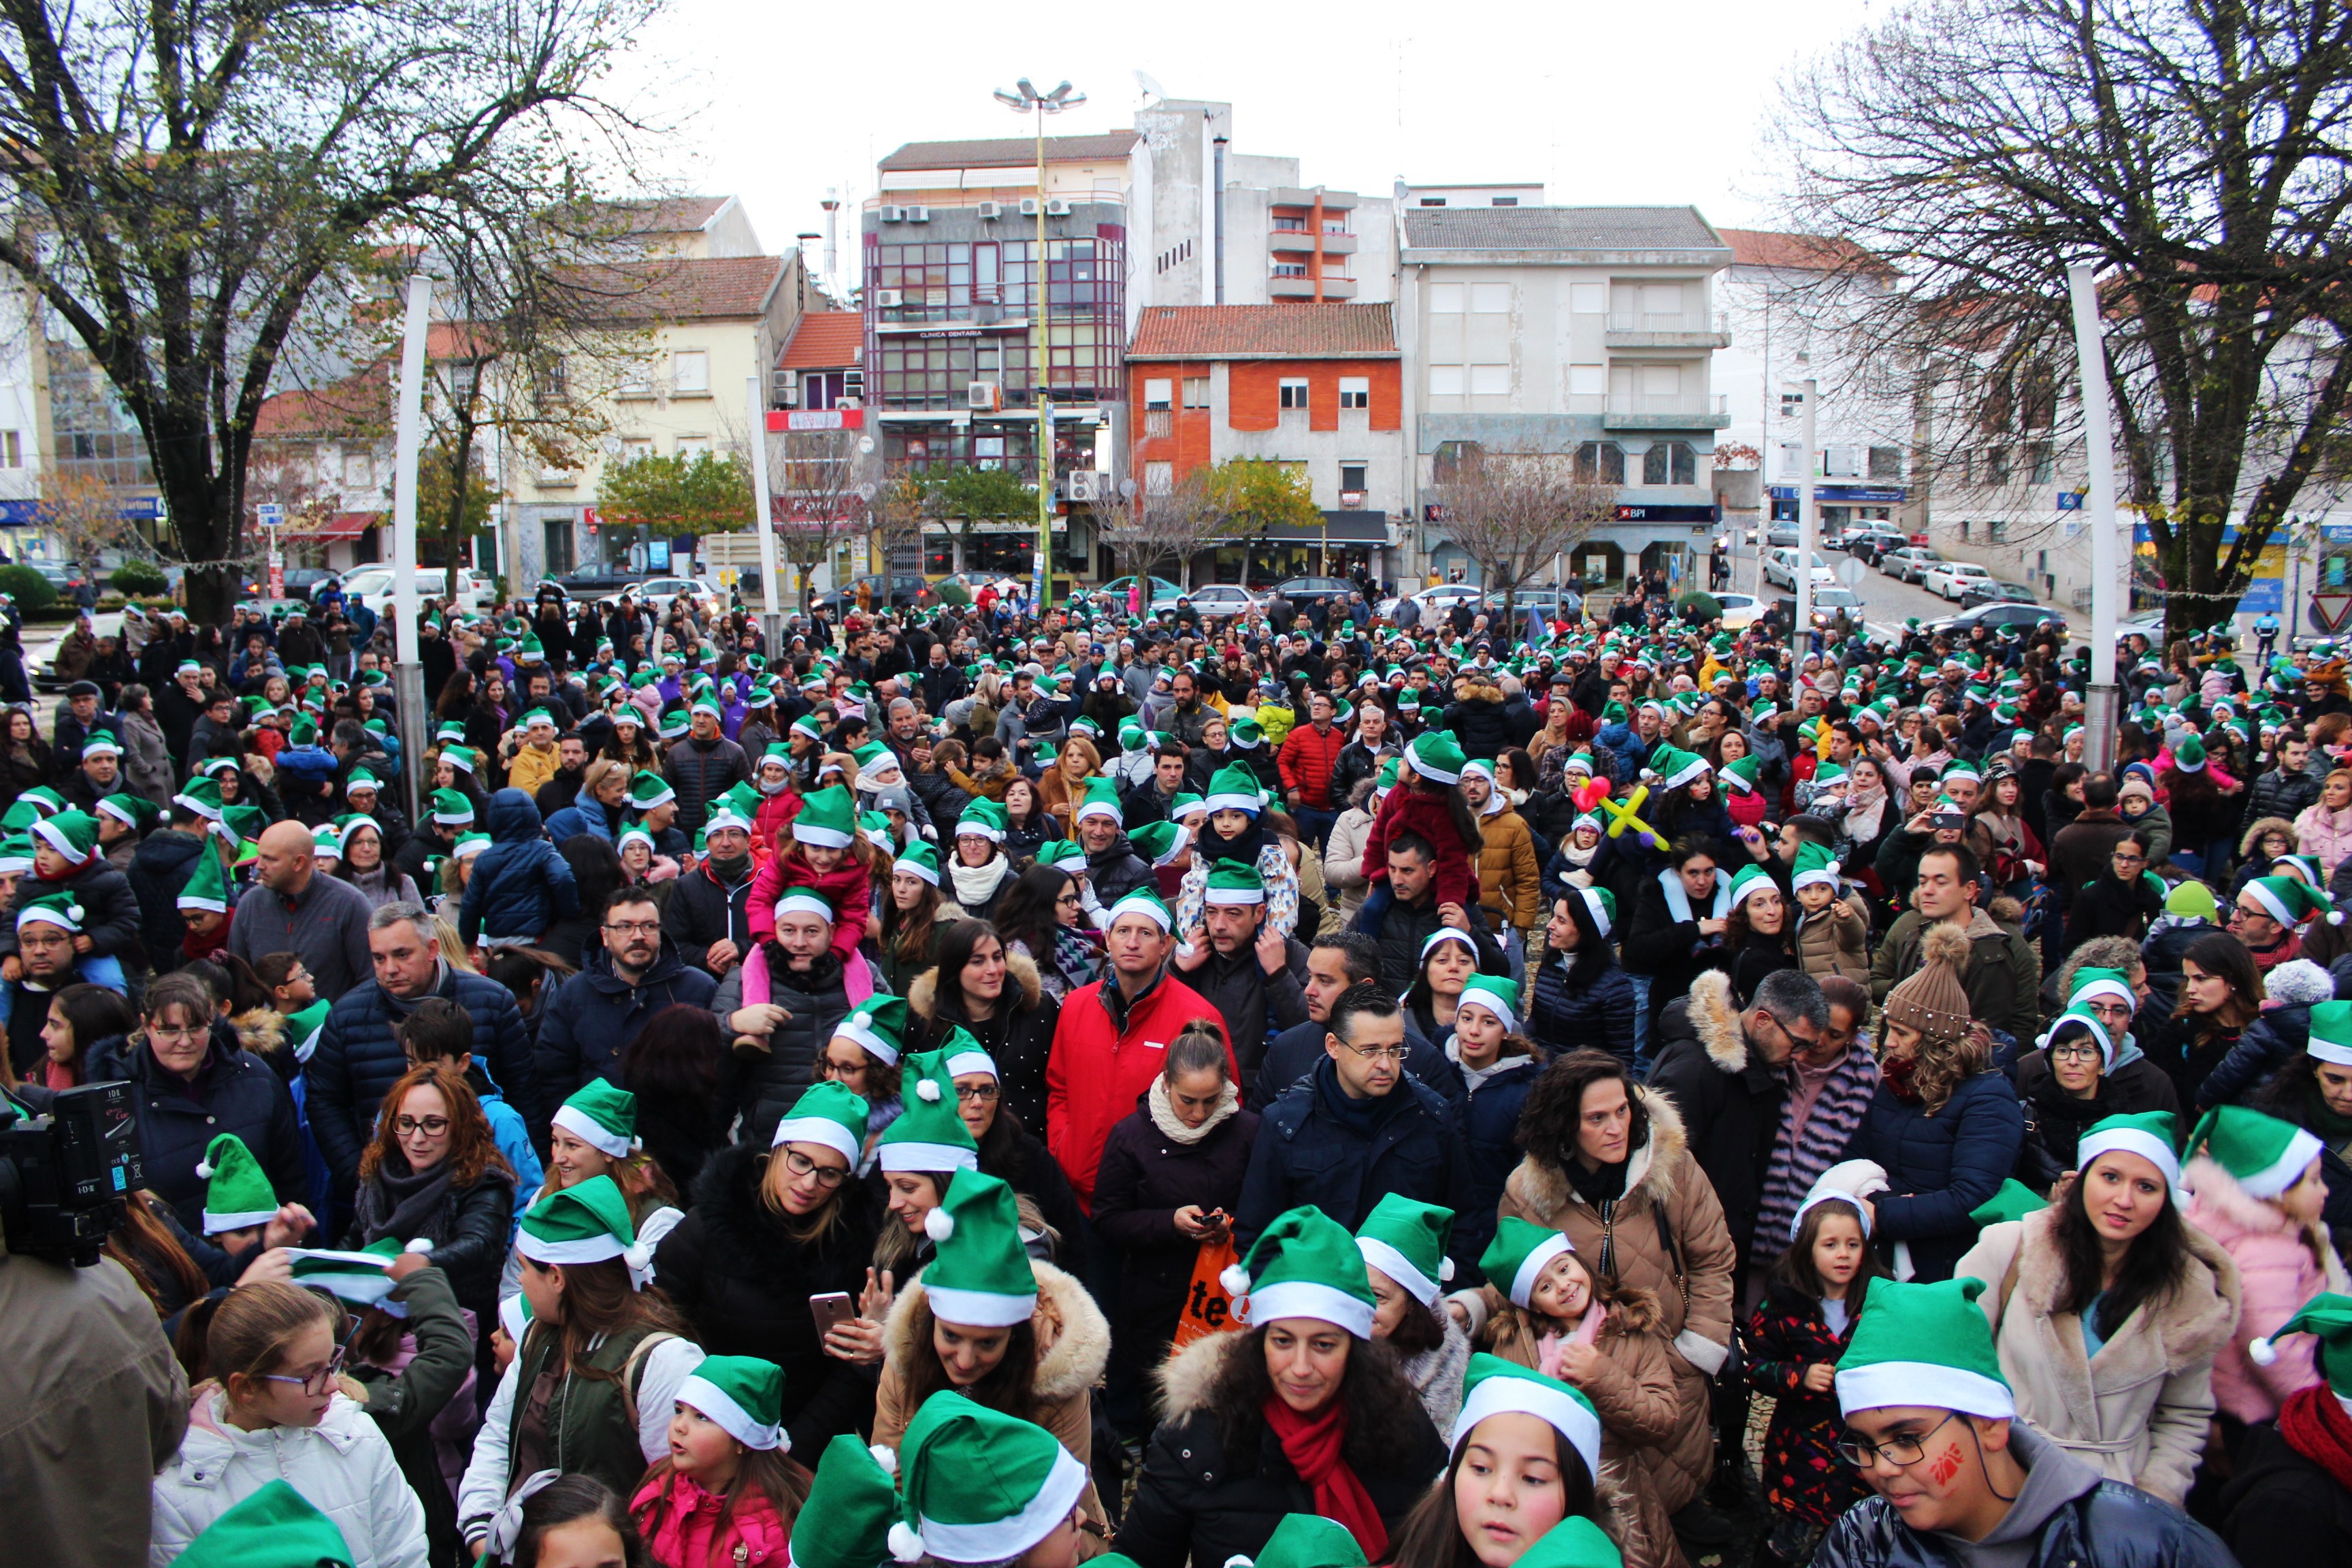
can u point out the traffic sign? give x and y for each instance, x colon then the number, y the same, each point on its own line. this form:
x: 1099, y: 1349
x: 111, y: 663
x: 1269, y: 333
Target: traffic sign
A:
x: 1852, y: 572
x: 2331, y: 610
x: 269, y: 514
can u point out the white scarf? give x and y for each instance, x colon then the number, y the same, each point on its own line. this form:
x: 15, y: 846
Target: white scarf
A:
x: 1678, y: 902
x: 977, y: 884
x: 1163, y: 1114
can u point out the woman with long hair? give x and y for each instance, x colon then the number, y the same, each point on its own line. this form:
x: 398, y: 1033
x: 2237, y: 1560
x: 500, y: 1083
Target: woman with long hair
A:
x: 362, y: 864
x: 1580, y: 997
x: 672, y: 1066
x: 771, y: 1228
x: 977, y: 877
x: 1029, y: 827
x: 1757, y: 938
x: 488, y: 718
x: 1062, y: 788
x: 79, y: 1015
x: 912, y: 917
x: 1522, y: 1471
x: 1043, y: 918
x: 977, y: 985
x: 24, y: 755
x: 2005, y: 843
x: 1303, y: 1412
x: 2108, y: 1309
x: 456, y: 699
x: 2221, y: 992
x: 432, y: 1173
x: 1448, y: 960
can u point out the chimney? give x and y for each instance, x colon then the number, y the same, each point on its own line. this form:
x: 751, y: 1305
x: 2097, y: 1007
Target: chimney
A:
x: 832, y: 205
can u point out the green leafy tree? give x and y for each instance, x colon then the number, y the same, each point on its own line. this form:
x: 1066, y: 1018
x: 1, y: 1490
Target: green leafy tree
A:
x: 453, y: 496
x: 967, y: 497
x: 1256, y: 497
x: 709, y: 492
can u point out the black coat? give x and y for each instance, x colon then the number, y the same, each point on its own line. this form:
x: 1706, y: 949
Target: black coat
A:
x: 1255, y: 1006
x: 1018, y: 1157
x: 1018, y: 1038
x: 472, y: 1248
x: 1404, y: 928
x: 1305, y: 1154
x: 1575, y: 1006
x: 700, y: 911
x: 359, y: 1059
x: 1291, y: 1055
x: 593, y: 1015
x: 1672, y: 952
x: 762, y: 1084
x: 2280, y: 1507
x: 1144, y: 1178
x: 234, y: 1091
x: 1729, y: 1097
x: 732, y: 1266
x: 1482, y: 727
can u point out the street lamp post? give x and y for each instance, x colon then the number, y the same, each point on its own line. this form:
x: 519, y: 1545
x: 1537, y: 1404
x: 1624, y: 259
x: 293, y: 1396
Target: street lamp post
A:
x: 1027, y: 99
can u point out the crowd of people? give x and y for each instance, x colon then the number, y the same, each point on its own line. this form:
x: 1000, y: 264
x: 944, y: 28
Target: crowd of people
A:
x: 969, y: 1085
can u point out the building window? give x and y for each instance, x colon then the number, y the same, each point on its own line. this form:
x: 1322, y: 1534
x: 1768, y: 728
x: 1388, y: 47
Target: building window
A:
x: 1996, y: 465
x: 1158, y: 422
x: 1490, y: 381
x: 693, y: 447
x: 636, y: 447
x: 1445, y: 380
x: 689, y: 371
x: 1196, y: 391
x: 1290, y: 269
x: 1886, y: 462
x: 1351, y: 475
x: 1158, y: 479
x: 2038, y: 462
x: 1588, y: 380
x: 1290, y: 223
x: 1446, y: 299
x: 1490, y: 298
x: 1433, y: 201
x: 1997, y: 530
x: 1602, y: 460
x: 557, y: 533
x: 1158, y: 394
x: 1293, y: 391
x: 1670, y: 463
x: 16, y: 449
x: 358, y: 470
x: 1448, y: 458
x: 1505, y: 201
x: 1355, y: 392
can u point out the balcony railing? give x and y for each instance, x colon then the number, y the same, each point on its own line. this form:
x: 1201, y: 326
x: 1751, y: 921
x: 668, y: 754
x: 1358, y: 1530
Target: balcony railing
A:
x: 1667, y: 411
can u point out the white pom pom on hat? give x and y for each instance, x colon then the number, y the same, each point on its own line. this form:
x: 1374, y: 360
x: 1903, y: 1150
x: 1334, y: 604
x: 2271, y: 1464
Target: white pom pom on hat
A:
x: 2262, y: 1353
x: 938, y: 1225
x: 422, y: 1244
x: 928, y: 1089
x: 904, y: 1544
x: 637, y: 1255
x: 1235, y: 1280
x: 1446, y: 1269
x: 888, y: 1457
x: 204, y: 1170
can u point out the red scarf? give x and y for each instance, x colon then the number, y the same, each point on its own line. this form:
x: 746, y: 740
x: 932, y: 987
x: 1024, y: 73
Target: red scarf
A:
x: 2316, y: 1427
x: 1311, y: 1443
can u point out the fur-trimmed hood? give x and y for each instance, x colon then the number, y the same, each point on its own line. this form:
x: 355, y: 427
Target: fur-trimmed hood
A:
x: 1071, y: 1328
x: 923, y: 995
x: 2225, y: 1210
x: 2256, y: 829
x: 1655, y: 1167
x: 1188, y: 1379
x: 261, y: 1031
x: 2190, y: 1325
x: 1714, y: 1016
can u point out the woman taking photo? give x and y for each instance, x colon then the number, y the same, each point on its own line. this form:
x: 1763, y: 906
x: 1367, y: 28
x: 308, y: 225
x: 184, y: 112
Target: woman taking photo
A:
x: 912, y: 917
x: 1028, y: 825
x: 363, y: 866
x: 1448, y: 960
x: 2221, y: 992
x: 1044, y: 920
x: 1305, y: 1390
x: 593, y: 1378
x: 2113, y: 1310
x: 1169, y: 1179
x: 769, y: 1229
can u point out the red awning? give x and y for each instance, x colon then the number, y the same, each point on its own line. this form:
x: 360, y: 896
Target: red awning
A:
x: 342, y: 525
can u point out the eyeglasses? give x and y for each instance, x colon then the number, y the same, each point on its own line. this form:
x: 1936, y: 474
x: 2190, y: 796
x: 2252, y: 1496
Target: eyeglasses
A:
x: 2076, y: 1053
x: 633, y: 928
x: 2126, y: 859
x: 827, y: 1177
x: 431, y: 1126
x: 192, y: 1032
x: 1376, y: 1053
x: 978, y: 1093
x: 1070, y: 898
x: 1860, y: 1453
x: 316, y: 1382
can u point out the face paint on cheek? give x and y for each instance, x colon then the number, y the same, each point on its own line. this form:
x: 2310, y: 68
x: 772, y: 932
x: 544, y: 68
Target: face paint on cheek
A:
x: 1946, y: 1464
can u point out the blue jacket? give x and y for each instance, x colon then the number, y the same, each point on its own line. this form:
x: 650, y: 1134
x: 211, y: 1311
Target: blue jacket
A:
x: 513, y: 1139
x: 1940, y: 1166
x: 236, y: 1091
x: 1566, y: 1012
x: 587, y: 815
x: 593, y: 1015
x: 1310, y: 1152
x: 358, y: 1060
x: 520, y: 886
x: 1490, y: 1142
x: 2268, y: 1044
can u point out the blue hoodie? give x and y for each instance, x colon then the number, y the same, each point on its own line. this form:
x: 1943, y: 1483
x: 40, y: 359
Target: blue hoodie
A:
x: 519, y: 885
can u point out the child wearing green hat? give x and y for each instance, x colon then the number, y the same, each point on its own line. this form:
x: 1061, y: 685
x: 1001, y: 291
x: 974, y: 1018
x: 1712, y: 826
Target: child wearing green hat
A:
x: 728, y: 1488
x: 2289, y: 1499
x: 1521, y: 1487
x: 820, y: 852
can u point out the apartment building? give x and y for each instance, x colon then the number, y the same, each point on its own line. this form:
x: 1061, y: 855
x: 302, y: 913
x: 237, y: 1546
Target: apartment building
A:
x: 1582, y: 332
x: 1313, y: 388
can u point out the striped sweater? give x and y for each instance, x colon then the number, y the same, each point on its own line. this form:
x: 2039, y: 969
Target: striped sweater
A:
x: 1797, y: 1162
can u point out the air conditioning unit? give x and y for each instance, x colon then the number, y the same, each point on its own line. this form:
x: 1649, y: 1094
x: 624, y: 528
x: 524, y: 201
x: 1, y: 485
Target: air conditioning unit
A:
x: 917, y: 214
x: 984, y: 397
x: 1350, y: 499
x: 894, y: 215
x: 788, y: 390
x: 1028, y: 206
x: 888, y: 298
x: 1057, y: 207
x: 1084, y: 484
x: 991, y: 209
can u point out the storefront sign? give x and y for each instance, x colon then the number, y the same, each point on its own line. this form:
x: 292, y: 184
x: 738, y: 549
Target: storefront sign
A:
x: 791, y: 419
x: 1634, y: 511
x: 1877, y: 495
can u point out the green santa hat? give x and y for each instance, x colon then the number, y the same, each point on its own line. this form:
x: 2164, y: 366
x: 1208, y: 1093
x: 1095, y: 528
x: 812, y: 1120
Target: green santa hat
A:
x: 920, y: 859
x: 302, y: 1028
x: 2014, y: 1200
x: 133, y: 811
x: 1815, y: 866
x: 827, y: 818
x: 1145, y: 902
x: 1751, y: 880
x: 462, y: 758
x: 452, y: 808
x: 2081, y: 1020
x: 1305, y: 1541
x: 1102, y: 800
x: 805, y: 901
x: 980, y: 1487
x: 2264, y: 1154
x: 2328, y: 1317
x: 584, y: 1224
x: 1574, y: 1543
x: 61, y: 910
x: 649, y: 789
x: 1740, y: 775
x: 2288, y: 900
x: 2331, y: 1033
x: 1187, y: 805
x: 273, y: 1527
x: 1923, y: 1344
x: 851, y: 1506
x: 980, y: 1275
x: 1305, y: 1264
x: 603, y: 1117
x: 362, y: 780
x: 326, y: 842
x: 929, y: 1136
x: 1675, y: 767
x: 960, y: 1053
x: 1602, y: 904
x: 876, y: 762
x: 1234, y: 883
x: 2150, y: 1134
x: 1435, y: 756
x: 1159, y: 842
x: 879, y: 1027
x: 236, y: 1195
x: 743, y: 1395
x: 1495, y: 994
x: 832, y: 1114
x: 2090, y: 982
x: 1235, y: 788
x: 1064, y: 855
x: 72, y: 834
x: 16, y: 853
x: 1519, y: 1254
x: 982, y: 818
x: 207, y: 886
x: 357, y: 1275
x: 1406, y: 1241
x: 1494, y: 1386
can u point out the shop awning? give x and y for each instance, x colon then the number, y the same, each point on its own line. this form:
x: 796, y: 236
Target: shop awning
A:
x: 342, y: 525
x: 1353, y: 526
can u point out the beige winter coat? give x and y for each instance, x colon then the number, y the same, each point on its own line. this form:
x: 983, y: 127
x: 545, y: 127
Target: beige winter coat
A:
x: 1692, y: 1284
x: 1073, y: 1344
x: 2138, y: 1411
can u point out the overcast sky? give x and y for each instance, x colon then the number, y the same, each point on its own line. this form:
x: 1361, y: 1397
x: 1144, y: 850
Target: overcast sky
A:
x: 1615, y: 102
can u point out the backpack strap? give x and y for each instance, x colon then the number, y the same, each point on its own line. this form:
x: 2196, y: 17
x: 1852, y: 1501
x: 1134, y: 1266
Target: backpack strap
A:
x: 632, y: 1372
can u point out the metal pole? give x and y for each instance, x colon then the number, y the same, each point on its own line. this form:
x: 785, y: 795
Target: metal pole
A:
x: 764, y: 518
x: 2103, y: 705
x: 1044, y: 594
x: 408, y: 670
x: 1803, y: 639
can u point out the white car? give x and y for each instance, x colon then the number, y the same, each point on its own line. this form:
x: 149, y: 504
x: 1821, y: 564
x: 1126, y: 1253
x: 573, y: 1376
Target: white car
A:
x: 1950, y: 579
x: 1780, y: 567
x: 1222, y: 601
x: 662, y: 590
x: 1436, y: 601
x: 475, y: 591
x: 1741, y: 610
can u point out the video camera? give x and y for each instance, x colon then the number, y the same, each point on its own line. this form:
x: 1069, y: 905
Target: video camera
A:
x: 65, y: 1176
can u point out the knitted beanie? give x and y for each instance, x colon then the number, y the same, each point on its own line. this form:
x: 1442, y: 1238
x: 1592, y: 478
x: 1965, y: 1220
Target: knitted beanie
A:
x: 1933, y: 1001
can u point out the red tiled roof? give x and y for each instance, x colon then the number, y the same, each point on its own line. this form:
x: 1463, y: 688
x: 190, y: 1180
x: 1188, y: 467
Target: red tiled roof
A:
x: 825, y: 339
x: 1797, y: 252
x: 1263, y: 331
x: 1008, y: 152
x: 357, y: 405
x: 682, y: 288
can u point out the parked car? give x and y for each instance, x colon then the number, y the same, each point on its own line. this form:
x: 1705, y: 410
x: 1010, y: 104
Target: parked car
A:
x: 1781, y: 566
x: 1950, y: 579
x: 1831, y: 602
x: 1910, y: 563
x: 1164, y: 593
x: 2024, y: 617
x: 664, y: 591
x: 1222, y: 601
x: 1865, y: 538
x: 1300, y: 591
x: 1433, y: 602
x: 904, y: 591
x: 1998, y: 593
x: 1741, y: 610
x: 476, y: 590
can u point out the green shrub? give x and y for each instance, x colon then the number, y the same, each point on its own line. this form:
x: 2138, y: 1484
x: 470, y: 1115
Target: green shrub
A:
x: 138, y: 577
x: 1698, y: 608
x: 30, y: 590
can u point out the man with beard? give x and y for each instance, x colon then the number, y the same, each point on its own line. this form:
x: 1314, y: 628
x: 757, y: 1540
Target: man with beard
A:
x: 625, y: 978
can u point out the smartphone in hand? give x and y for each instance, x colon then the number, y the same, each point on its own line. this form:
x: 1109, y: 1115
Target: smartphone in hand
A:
x: 832, y: 1310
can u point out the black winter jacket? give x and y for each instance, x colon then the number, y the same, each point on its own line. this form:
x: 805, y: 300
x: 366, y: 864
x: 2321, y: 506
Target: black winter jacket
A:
x: 358, y: 1060
x: 472, y: 1248
x: 764, y: 1085
x: 1018, y: 1037
x: 595, y: 1015
x: 1290, y: 1059
x: 110, y: 916
x: 1671, y: 951
x: 1490, y: 1139
x: 1482, y: 727
x: 1255, y: 1006
x: 1118, y: 870
x: 1404, y: 928
x: 701, y: 773
x: 2280, y: 1507
x: 1311, y: 1150
x: 234, y: 1091
x: 1939, y: 1167
x: 160, y: 868
x: 733, y: 1268
x: 2278, y: 794
x: 701, y: 911
x: 1729, y: 1097
x: 1575, y: 1006
x: 1144, y: 1178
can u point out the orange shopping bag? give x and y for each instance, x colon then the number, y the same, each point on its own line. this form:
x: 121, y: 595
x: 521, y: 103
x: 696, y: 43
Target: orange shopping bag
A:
x: 1208, y: 1305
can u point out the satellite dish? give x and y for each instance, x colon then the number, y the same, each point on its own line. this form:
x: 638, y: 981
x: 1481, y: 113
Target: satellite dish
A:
x: 1151, y: 89
x: 1126, y: 488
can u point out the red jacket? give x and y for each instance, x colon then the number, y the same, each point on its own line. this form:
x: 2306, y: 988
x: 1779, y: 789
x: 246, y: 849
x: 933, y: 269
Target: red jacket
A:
x: 1096, y: 1070
x: 1405, y: 810
x: 688, y: 1534
x: 1306, y: 761
x: 849, y: 888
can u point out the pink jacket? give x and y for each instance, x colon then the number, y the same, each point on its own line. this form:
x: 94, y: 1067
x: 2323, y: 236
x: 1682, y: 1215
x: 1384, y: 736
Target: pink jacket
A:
x: 2324, y: 834
x: 2280, y: 1267
x: 849, y: 887
x: 688, y: 1535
